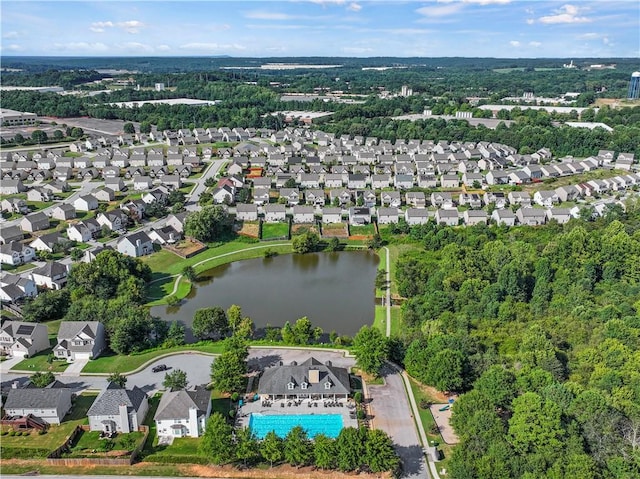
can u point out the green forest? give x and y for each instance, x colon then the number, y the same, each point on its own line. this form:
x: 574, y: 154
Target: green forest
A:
x: 539, y: 329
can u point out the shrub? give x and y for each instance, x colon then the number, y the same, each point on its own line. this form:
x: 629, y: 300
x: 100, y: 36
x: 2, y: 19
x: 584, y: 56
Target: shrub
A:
x: 235, y: 397
x: 12, y: 433
x: 232, y: 413
x: 357, y: 397
x: 424, y: 404
x: 361, y: 414
x: 42, y: 432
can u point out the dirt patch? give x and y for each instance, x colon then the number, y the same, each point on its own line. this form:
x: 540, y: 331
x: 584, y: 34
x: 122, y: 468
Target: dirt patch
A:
x: 248, y: 229
x: 360, y: 237
x: 434, y: 394
x: 301, y: 228
x: 282, y: 472
x: 186, y: 248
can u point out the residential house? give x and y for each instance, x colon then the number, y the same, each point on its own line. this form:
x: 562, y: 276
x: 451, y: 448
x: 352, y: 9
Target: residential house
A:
x: 315, y: 197
x: 531, y: 216
x: 183, y: 413
x: 115, y: 220
x: 52, y: 275
x: 35, y: 222
x: 447, y: 217
x: 261, y: 195
x: 416, y: 216
x: 164, y: 235
x: 135, y: 245
x: 497, y: 177
x: 471, y: 200
x: 504, y: 217
x: 416, y: 199
x: 47, y: 242
x: 80, y: 340
x: 331, y: 215
x: 291, y: 195
x: 497, y: 198
x: 16, y: 253
x: 64, y: 212
x: 47, y: 404
x: 366, y: 198
x: 10, y: 233
x: 567, y: 193
x: 387, y: 215
x: 379, y: 182
x: 309, y: 379
x: 449, y: 181
x: 546, y: 198
x: 172, y: 181
x: 303, y: 214
x: 15, y: 205
x: 40, y: 194
x: 224, y: 194
x: 310, y: 180
x: 142, y: 183
x: 86, y: 203
x: 21, y: 339
x: 118, y: 410
x: 442, y: 199
x: 391, y: 199
x: 177, y: 220
x: 246, y: 212
x: 403, y: 182
x: 521, y: 198
x: 359, y: 215
x: 274, y: 213
x: 14, y: 288
x: 474, y: 217
x: 333, y: 180
x: 114, y: 184
x: 357, y: 181
x: 103, y: 194
x: 11, y: 187
x: 83, y: 231
x: 471, y: 180
x: 561, y: 215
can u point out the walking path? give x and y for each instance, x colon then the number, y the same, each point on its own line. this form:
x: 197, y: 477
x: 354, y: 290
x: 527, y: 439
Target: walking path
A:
x: 180, y: 275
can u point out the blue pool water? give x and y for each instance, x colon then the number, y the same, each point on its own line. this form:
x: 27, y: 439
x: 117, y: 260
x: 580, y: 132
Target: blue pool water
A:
x: 329, y: 424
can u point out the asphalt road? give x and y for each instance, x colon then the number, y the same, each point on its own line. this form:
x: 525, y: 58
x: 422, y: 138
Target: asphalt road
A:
x: 392, y: 413
x: 211, y: 172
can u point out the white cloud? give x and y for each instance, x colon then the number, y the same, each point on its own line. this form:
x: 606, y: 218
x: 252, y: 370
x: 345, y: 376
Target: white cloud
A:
x: 131, y: 26
x: 136, y: 47
x: 354, y: 7
x: 514, y: 43
x: 199, y: 46
x: 14, y: 47
x: 163, y: 48
x: 535, y: 44
x: 440, y: 11
x: 10, y: 35
x: 357, y: 50
x: 478, y: 2
x: 81, y: 47
x: 530, y: 21
x: 565, y: 14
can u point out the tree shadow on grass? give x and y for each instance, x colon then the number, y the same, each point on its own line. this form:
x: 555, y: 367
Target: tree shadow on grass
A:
x: 412, y: 459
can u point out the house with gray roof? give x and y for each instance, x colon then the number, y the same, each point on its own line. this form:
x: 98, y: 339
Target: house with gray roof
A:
x: 10, y: 233
x: 21, y: 339
x: 52, y: 275
x: 118, y: 410
x: 80, y: 340
x: 135, y: 245
x: 35, y: 222
x: 48, y: 404
x: 416, y: 216
x: 531, y: 216
x: 448, y: 217
x: 310, y: 379
x: 183, y: 413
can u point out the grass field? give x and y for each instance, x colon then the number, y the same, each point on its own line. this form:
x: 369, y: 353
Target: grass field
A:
x: 111, y: 362
x: 35, y: 444
x: 364, y: 230
x: 88, y: 441
x: 39, y: 363
x: 275, y: 230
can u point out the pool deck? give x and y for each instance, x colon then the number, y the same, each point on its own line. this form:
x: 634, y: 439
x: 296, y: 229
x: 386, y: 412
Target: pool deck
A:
x: 244, y: 413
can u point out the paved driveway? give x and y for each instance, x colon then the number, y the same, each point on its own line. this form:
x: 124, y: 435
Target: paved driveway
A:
x: 392, y: 413
x: 9, y: 363
x: 75, y: 367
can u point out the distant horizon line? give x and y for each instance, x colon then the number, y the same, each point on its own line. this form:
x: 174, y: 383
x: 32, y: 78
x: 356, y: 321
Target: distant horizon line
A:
x: 315, y: 56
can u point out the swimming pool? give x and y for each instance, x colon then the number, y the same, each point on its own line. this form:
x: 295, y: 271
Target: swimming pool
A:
x: 329, y: 424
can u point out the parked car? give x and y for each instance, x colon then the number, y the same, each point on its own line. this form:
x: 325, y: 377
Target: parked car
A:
x: 160, y: 367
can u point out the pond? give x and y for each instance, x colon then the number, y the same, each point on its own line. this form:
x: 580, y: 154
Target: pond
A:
x: 336, y: 291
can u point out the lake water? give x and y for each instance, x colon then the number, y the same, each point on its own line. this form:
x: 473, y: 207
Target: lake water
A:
x: 336, y: 291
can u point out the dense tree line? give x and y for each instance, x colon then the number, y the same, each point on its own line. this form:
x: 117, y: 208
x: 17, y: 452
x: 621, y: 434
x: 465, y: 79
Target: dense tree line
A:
x: 353, y: 450
x: 540, y: 328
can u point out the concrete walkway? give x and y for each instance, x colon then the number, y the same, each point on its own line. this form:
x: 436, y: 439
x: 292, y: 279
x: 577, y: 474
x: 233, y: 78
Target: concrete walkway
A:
x: 75, y: 368
x: 7, y: 364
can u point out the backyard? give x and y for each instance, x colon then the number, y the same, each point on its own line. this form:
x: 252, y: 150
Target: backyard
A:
x: 362, y: 230
x: 33, y: 444
x: 275, y: 230
x: 89, y: 444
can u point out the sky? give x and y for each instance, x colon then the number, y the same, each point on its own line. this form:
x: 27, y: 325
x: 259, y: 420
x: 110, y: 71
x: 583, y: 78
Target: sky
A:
x: 342, y: 28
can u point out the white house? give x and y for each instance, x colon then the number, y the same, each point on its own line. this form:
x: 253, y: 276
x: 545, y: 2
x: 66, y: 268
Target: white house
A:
x: 416, y: 216
x: 21, y: 339
x: 86, y: 203
x: 183, y: 413
x: 447, y: 217
x: 118, y: 410
x: 135, y: 245
x: 15, y: 253
x: 80, y: 340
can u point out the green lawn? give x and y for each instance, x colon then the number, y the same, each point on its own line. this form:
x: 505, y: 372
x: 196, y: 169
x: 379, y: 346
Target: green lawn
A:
x: 364, y: 230
x: 88, y: 441
x: 275, y: 230
x: 39, y: 363
x: 110, y: 362
x: 395, y: 251
x: 18, y: 269
x: 428, y: 423
x: 35, y: 445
